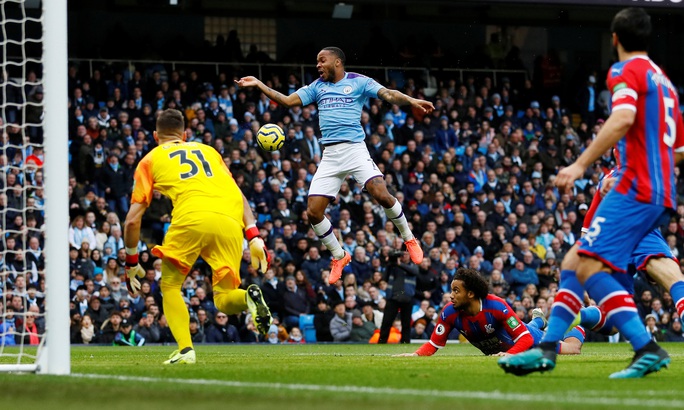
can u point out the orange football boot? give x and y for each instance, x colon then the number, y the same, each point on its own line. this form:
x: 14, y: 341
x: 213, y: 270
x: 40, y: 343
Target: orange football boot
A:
x: 336, y: 267
x: 414, y: 250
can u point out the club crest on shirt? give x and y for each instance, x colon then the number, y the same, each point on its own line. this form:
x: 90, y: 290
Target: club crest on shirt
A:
x: 347, y: 89
x: 489, y: 328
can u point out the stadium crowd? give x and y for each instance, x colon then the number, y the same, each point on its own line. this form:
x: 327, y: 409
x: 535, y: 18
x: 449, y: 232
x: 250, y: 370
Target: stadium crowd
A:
x: 475, y: 178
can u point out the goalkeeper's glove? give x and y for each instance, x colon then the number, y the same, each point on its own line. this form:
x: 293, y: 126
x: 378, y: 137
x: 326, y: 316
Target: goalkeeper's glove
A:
x: 133, y: 271
x: 261, y: 259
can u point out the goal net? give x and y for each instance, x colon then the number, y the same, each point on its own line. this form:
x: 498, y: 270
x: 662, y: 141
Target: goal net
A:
x: 34, y: 265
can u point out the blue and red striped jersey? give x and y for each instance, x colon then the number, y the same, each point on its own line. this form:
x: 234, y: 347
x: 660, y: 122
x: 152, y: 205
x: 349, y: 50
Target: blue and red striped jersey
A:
x: 495, y: 328
x: 647, y: 150
x: 596, y: 201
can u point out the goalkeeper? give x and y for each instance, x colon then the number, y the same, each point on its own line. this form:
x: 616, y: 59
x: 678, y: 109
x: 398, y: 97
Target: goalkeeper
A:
x: 209, y: 215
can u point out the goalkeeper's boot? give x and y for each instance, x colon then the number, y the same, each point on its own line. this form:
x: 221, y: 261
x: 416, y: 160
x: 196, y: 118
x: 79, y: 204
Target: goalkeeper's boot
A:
x: 185, y: 356
x: 538, y: 313
x: 540, y: 359
x: 414, y: 250
x: 261, y: 314
x: 648, y: 359
x: 336, y: 267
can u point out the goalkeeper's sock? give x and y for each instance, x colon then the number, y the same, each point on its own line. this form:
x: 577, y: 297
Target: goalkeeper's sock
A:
x: 230, y: 301
x: 174, y: 308
x: 396, y: 215
x: 565, y: 308
x: 324, y: 230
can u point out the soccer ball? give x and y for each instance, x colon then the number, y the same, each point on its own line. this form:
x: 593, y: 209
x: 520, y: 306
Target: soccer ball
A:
x: 270, y: 137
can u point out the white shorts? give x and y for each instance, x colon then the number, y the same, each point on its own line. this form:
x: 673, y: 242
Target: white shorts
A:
x: 340, y: 161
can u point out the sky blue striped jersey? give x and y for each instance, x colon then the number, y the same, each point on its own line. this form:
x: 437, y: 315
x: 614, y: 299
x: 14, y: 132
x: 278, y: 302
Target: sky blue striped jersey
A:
x: 340, y: 105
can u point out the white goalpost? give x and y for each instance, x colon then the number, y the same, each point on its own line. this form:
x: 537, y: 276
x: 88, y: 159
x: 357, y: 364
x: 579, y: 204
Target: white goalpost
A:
x: 48, y: 351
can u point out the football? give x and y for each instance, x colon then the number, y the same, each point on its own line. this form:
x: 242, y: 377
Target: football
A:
x: 270, y: 137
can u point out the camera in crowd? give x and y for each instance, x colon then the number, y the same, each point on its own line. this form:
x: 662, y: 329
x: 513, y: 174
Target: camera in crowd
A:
x: 393, y: 257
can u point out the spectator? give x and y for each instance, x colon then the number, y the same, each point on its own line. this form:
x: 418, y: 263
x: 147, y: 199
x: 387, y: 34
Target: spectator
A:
x: 674, y: 333
x: 110, y: 328
x: 521, y: 276
x: 6, y: 332
x: 360, y: 264
x: 273, y: 291
x: 29, y: 334
x: 370, y: 314
x: 341, y: 323
x: 221, y: 331
x: 126, y: 336
x: 88, y: 331
x: 106, y: 301
x: 586, y: 99
x: 148, y: 328
x: 295, y: 336
x: 272, y: 335
x: 295, y: 302
x: 79, y: 233
x: 116, y: 185
x: 96, y: 312
x: 653, y: 330
x: 402, y: 288
x: 314, y: 264
x: 418, y: 330
x: 361, y: 331
x: 322, y: 317
x: 302, y: 282
x: 644, y: 306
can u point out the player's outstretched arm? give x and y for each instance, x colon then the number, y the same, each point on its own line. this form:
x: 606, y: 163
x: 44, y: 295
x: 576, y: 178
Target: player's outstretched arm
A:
x: 405, y: 355
x: 282, y: 99
x: 399, y: 98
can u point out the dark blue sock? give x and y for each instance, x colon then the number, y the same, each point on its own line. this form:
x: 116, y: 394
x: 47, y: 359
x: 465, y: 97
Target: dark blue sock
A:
x: 619, y: 307
x: 591, y: 316
x: 566, y: 306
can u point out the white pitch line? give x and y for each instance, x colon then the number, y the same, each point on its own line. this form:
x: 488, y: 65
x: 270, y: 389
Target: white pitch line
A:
x: 460, y: 394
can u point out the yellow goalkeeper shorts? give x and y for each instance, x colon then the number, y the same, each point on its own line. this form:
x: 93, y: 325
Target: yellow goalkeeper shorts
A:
x: 217, y: 238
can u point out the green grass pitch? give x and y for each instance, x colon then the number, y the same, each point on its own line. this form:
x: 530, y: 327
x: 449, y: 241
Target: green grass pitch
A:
x: 348, y: 377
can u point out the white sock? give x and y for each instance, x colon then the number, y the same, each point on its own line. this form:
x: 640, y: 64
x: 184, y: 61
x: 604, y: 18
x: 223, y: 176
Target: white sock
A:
x: 396, y: 215
x: 324, y: 230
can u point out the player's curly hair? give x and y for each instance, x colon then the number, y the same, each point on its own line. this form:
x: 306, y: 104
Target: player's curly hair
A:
x: 338, y: 53
x: 473, y: 281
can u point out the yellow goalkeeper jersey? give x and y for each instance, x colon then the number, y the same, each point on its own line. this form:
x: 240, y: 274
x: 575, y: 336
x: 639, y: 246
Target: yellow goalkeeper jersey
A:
x: 192, y: 175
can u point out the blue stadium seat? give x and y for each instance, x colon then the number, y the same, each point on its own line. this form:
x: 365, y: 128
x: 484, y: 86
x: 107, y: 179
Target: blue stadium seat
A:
x: 306, y: 325
x: 261, y: 218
